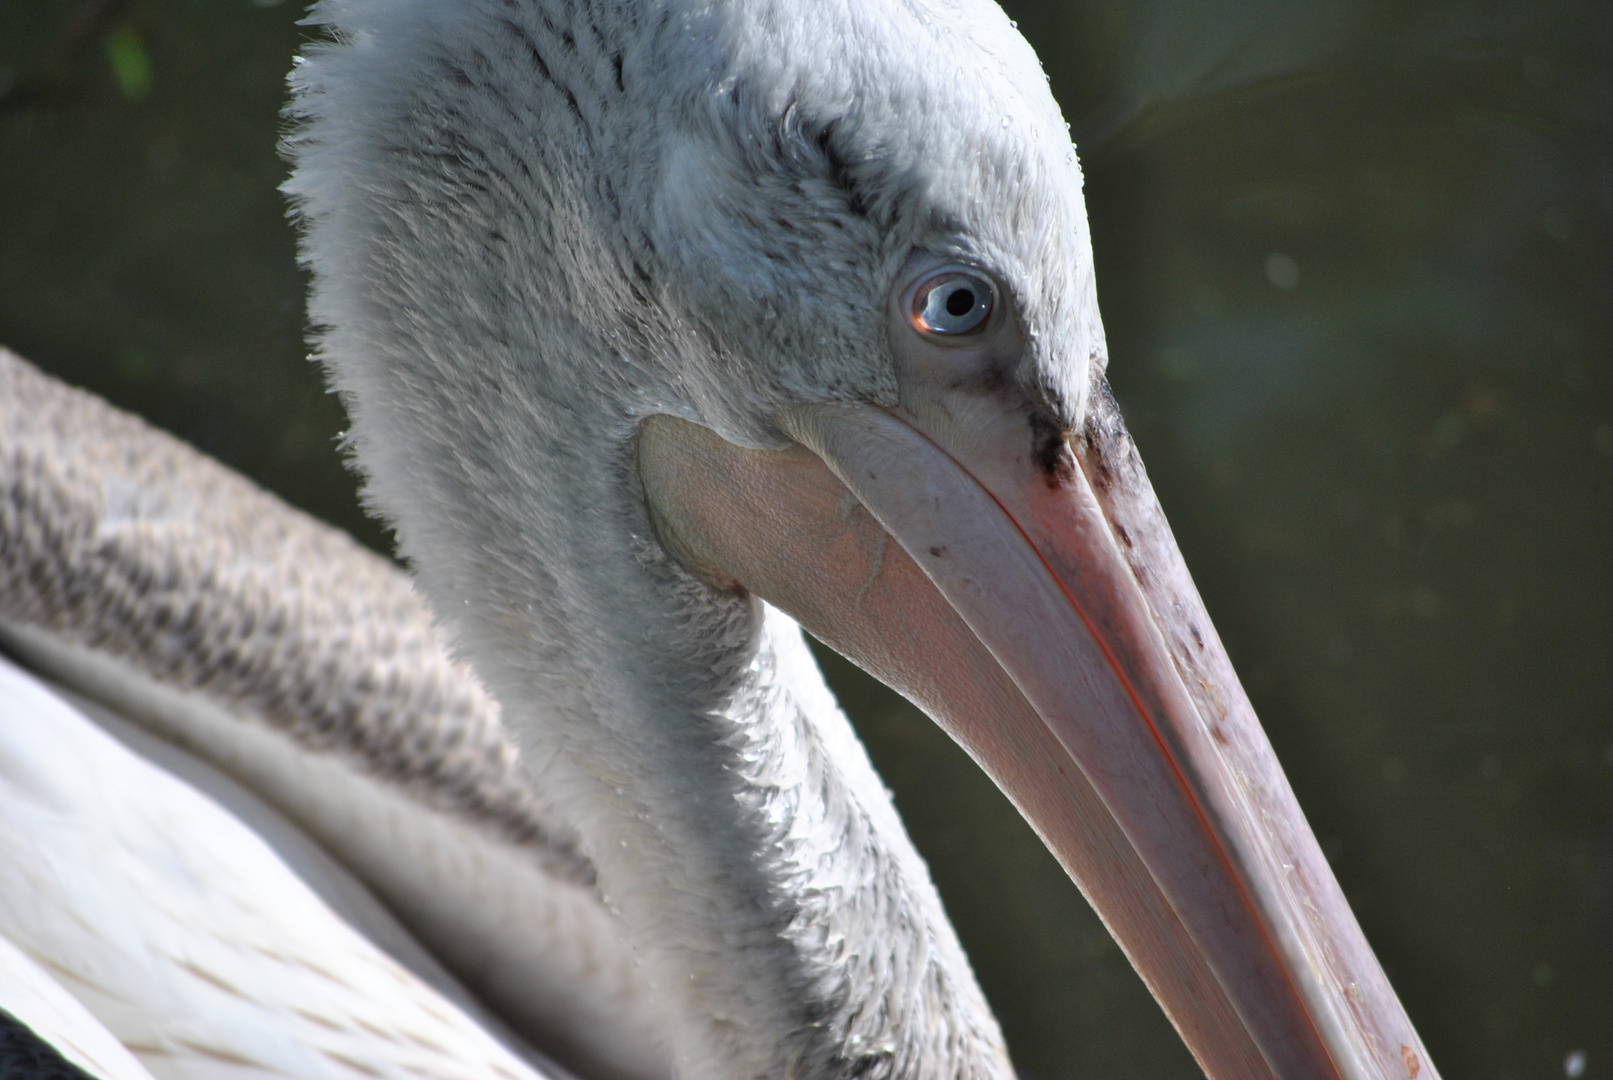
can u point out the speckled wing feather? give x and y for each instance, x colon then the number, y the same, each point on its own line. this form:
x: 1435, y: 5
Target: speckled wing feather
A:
x: 146, y: 576
x: 121, y: 538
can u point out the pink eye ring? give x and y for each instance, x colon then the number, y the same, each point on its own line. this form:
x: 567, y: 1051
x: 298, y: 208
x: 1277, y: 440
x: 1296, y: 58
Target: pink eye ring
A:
x: 952, y: 303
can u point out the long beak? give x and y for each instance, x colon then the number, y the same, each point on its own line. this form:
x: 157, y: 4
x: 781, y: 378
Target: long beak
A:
x: 1029, y: 596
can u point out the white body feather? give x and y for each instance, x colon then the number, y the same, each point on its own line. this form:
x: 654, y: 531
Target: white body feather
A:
x: 57, y: 1017
x: 184, y: 933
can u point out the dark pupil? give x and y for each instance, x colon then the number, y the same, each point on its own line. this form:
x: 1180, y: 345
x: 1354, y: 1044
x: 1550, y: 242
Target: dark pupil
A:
x: 960, y: 302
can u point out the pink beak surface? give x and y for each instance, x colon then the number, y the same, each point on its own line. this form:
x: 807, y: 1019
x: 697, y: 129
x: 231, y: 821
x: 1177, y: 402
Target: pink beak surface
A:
x: 1026, y: 592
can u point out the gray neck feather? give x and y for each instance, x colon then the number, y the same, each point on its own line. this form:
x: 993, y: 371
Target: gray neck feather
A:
x: 474, y: 179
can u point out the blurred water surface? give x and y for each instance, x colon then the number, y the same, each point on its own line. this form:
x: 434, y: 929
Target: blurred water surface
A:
x: 1355, y: 264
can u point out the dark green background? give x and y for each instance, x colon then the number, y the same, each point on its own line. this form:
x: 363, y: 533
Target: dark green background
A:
x: 1355, y: 265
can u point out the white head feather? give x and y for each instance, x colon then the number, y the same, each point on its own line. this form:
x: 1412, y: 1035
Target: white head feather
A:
x: 534, y: 223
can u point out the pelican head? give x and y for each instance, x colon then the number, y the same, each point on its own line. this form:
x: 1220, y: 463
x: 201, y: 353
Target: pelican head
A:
x: 647, y: 313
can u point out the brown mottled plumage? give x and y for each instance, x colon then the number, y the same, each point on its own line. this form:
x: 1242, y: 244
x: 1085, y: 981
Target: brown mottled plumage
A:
x: 123, y: 539
x: 143, y: 573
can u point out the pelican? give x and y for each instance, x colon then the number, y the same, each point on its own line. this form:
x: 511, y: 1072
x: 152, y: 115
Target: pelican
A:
x: 667, y: 329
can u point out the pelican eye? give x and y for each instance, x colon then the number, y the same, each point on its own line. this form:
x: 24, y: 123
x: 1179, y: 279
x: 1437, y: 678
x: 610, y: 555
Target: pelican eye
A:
x: 952, y: 302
